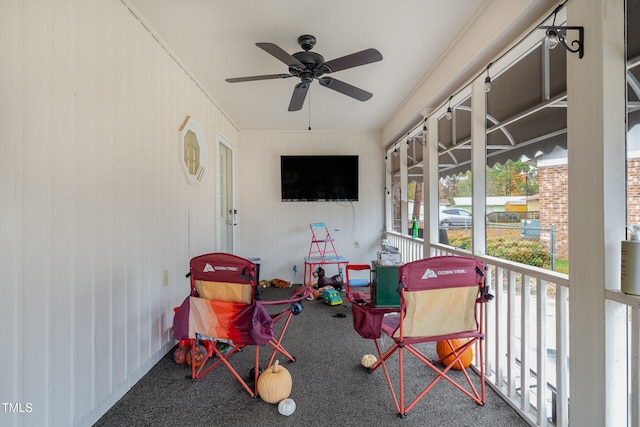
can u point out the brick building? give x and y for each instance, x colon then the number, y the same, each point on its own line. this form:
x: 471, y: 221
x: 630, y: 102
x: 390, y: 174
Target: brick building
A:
x: 554, y: 201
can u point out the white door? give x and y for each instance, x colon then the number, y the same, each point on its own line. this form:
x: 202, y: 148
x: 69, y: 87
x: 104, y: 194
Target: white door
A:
x: 226, y: 213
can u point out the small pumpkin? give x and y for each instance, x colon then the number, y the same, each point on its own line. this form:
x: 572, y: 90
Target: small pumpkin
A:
x: 274, y: 384
x: 368, y: 360
x: 286, y: 407
x: 442, y: 348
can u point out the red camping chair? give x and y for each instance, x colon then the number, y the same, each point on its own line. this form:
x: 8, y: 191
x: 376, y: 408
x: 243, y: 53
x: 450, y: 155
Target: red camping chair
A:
x: 358, y: 279
x: 441, y: 299
x: 222, y: 309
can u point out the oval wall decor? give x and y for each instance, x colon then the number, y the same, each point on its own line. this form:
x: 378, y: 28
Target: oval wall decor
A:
x: 194, y: 150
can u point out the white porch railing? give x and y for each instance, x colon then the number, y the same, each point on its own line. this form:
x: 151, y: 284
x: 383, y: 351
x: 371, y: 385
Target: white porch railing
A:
x: 527, y: 333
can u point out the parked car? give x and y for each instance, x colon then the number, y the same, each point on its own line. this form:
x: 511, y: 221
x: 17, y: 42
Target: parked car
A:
x: 503, y: 217
x: 454, y: 217
x: 512, y: 217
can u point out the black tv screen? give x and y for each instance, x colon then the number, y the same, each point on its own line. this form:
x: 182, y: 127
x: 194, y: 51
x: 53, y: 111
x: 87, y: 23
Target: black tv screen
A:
x: 319, y: 178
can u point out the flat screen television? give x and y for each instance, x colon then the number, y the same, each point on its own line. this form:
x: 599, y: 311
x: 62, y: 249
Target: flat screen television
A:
x: 319, y: 178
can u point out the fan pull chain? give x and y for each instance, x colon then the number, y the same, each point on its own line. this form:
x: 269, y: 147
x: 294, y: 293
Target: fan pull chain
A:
x: 309, y: 108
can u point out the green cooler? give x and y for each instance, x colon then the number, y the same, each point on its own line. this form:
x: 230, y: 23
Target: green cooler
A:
x: 384, y: 286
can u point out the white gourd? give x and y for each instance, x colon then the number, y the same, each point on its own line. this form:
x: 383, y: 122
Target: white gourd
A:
x: 287, y: 407
x: 368, y: 360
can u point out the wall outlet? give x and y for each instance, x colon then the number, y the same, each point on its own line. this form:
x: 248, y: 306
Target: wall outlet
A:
x: 356, y: 244
x: 165, y: 278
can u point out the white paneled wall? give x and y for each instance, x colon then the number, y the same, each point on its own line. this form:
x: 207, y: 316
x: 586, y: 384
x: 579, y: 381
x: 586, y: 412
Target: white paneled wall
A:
x: 95, y: 205
x: 278, y: 232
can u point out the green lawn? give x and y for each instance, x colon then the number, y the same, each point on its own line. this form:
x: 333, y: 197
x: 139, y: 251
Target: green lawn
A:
x: 562, y: 266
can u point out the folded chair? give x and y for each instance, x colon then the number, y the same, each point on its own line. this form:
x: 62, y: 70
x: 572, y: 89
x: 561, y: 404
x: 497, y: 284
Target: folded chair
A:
x: 441, y: 299
x: 358, y: 279
x: 222, y: 309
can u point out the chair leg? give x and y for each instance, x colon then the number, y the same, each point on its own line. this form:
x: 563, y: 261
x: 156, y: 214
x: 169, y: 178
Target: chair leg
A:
x: 402, y: 412
x: 277, y: 343
x: 380, y: 362
x: 402, y: 408
x: 472, y: 393
x: 383, y: 357
x: 201, y: 372
x: 223, y: 359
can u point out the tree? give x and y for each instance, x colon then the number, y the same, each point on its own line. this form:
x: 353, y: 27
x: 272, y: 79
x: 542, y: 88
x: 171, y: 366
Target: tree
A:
x: 417, y: 200
x: 512, y: 179
x: 464, y: 185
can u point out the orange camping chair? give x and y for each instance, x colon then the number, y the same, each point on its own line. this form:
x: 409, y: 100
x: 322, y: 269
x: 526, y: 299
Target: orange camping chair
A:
x: 222, y: 316
x: 441, y: 300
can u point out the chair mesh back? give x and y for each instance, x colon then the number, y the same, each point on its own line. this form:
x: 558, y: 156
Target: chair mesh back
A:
x: 222, y: 305
x: 440, y: 311
x: 440, y: 295
x: 224, y: 291
x: 223, y: 277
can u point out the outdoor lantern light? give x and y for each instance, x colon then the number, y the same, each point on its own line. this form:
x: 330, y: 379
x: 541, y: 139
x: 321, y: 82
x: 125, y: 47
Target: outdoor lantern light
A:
x: 487, y: 80
x: 557, y: 35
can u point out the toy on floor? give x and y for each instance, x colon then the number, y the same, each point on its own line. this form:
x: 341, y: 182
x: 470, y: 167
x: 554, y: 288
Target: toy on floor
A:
x: 278, y: 283
x: 331, y: 297
x: 316, y: 294
x: 335, y: 281
x: 264, y: 283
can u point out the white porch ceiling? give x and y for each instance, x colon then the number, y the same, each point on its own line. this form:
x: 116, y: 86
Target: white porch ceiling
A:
x: 215, y: 40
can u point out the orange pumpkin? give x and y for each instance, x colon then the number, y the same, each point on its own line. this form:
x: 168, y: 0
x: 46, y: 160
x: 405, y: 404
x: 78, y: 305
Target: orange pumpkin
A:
x: 443, y: 349
x: 274, y: 384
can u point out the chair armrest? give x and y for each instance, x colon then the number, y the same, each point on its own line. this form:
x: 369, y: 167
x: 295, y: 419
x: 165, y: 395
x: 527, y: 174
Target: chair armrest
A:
x: 298, y: 295
x: 484, y: 296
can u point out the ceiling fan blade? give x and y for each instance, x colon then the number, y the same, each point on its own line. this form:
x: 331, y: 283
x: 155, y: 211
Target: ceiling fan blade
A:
x: 299, y: 94
x: 345, y: 88
x: 363, y: 57
x: 263, y: 77
x: 280, y: 54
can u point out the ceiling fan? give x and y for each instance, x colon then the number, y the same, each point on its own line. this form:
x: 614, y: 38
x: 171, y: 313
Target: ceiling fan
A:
x: 309, y: 65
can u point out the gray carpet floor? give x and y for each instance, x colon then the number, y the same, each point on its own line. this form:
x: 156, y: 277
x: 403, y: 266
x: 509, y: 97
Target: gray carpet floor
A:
x: 330, y: 386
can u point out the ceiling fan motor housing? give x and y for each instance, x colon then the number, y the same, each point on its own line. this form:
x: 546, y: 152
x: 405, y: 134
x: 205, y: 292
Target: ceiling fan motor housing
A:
x: 313, y: 63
